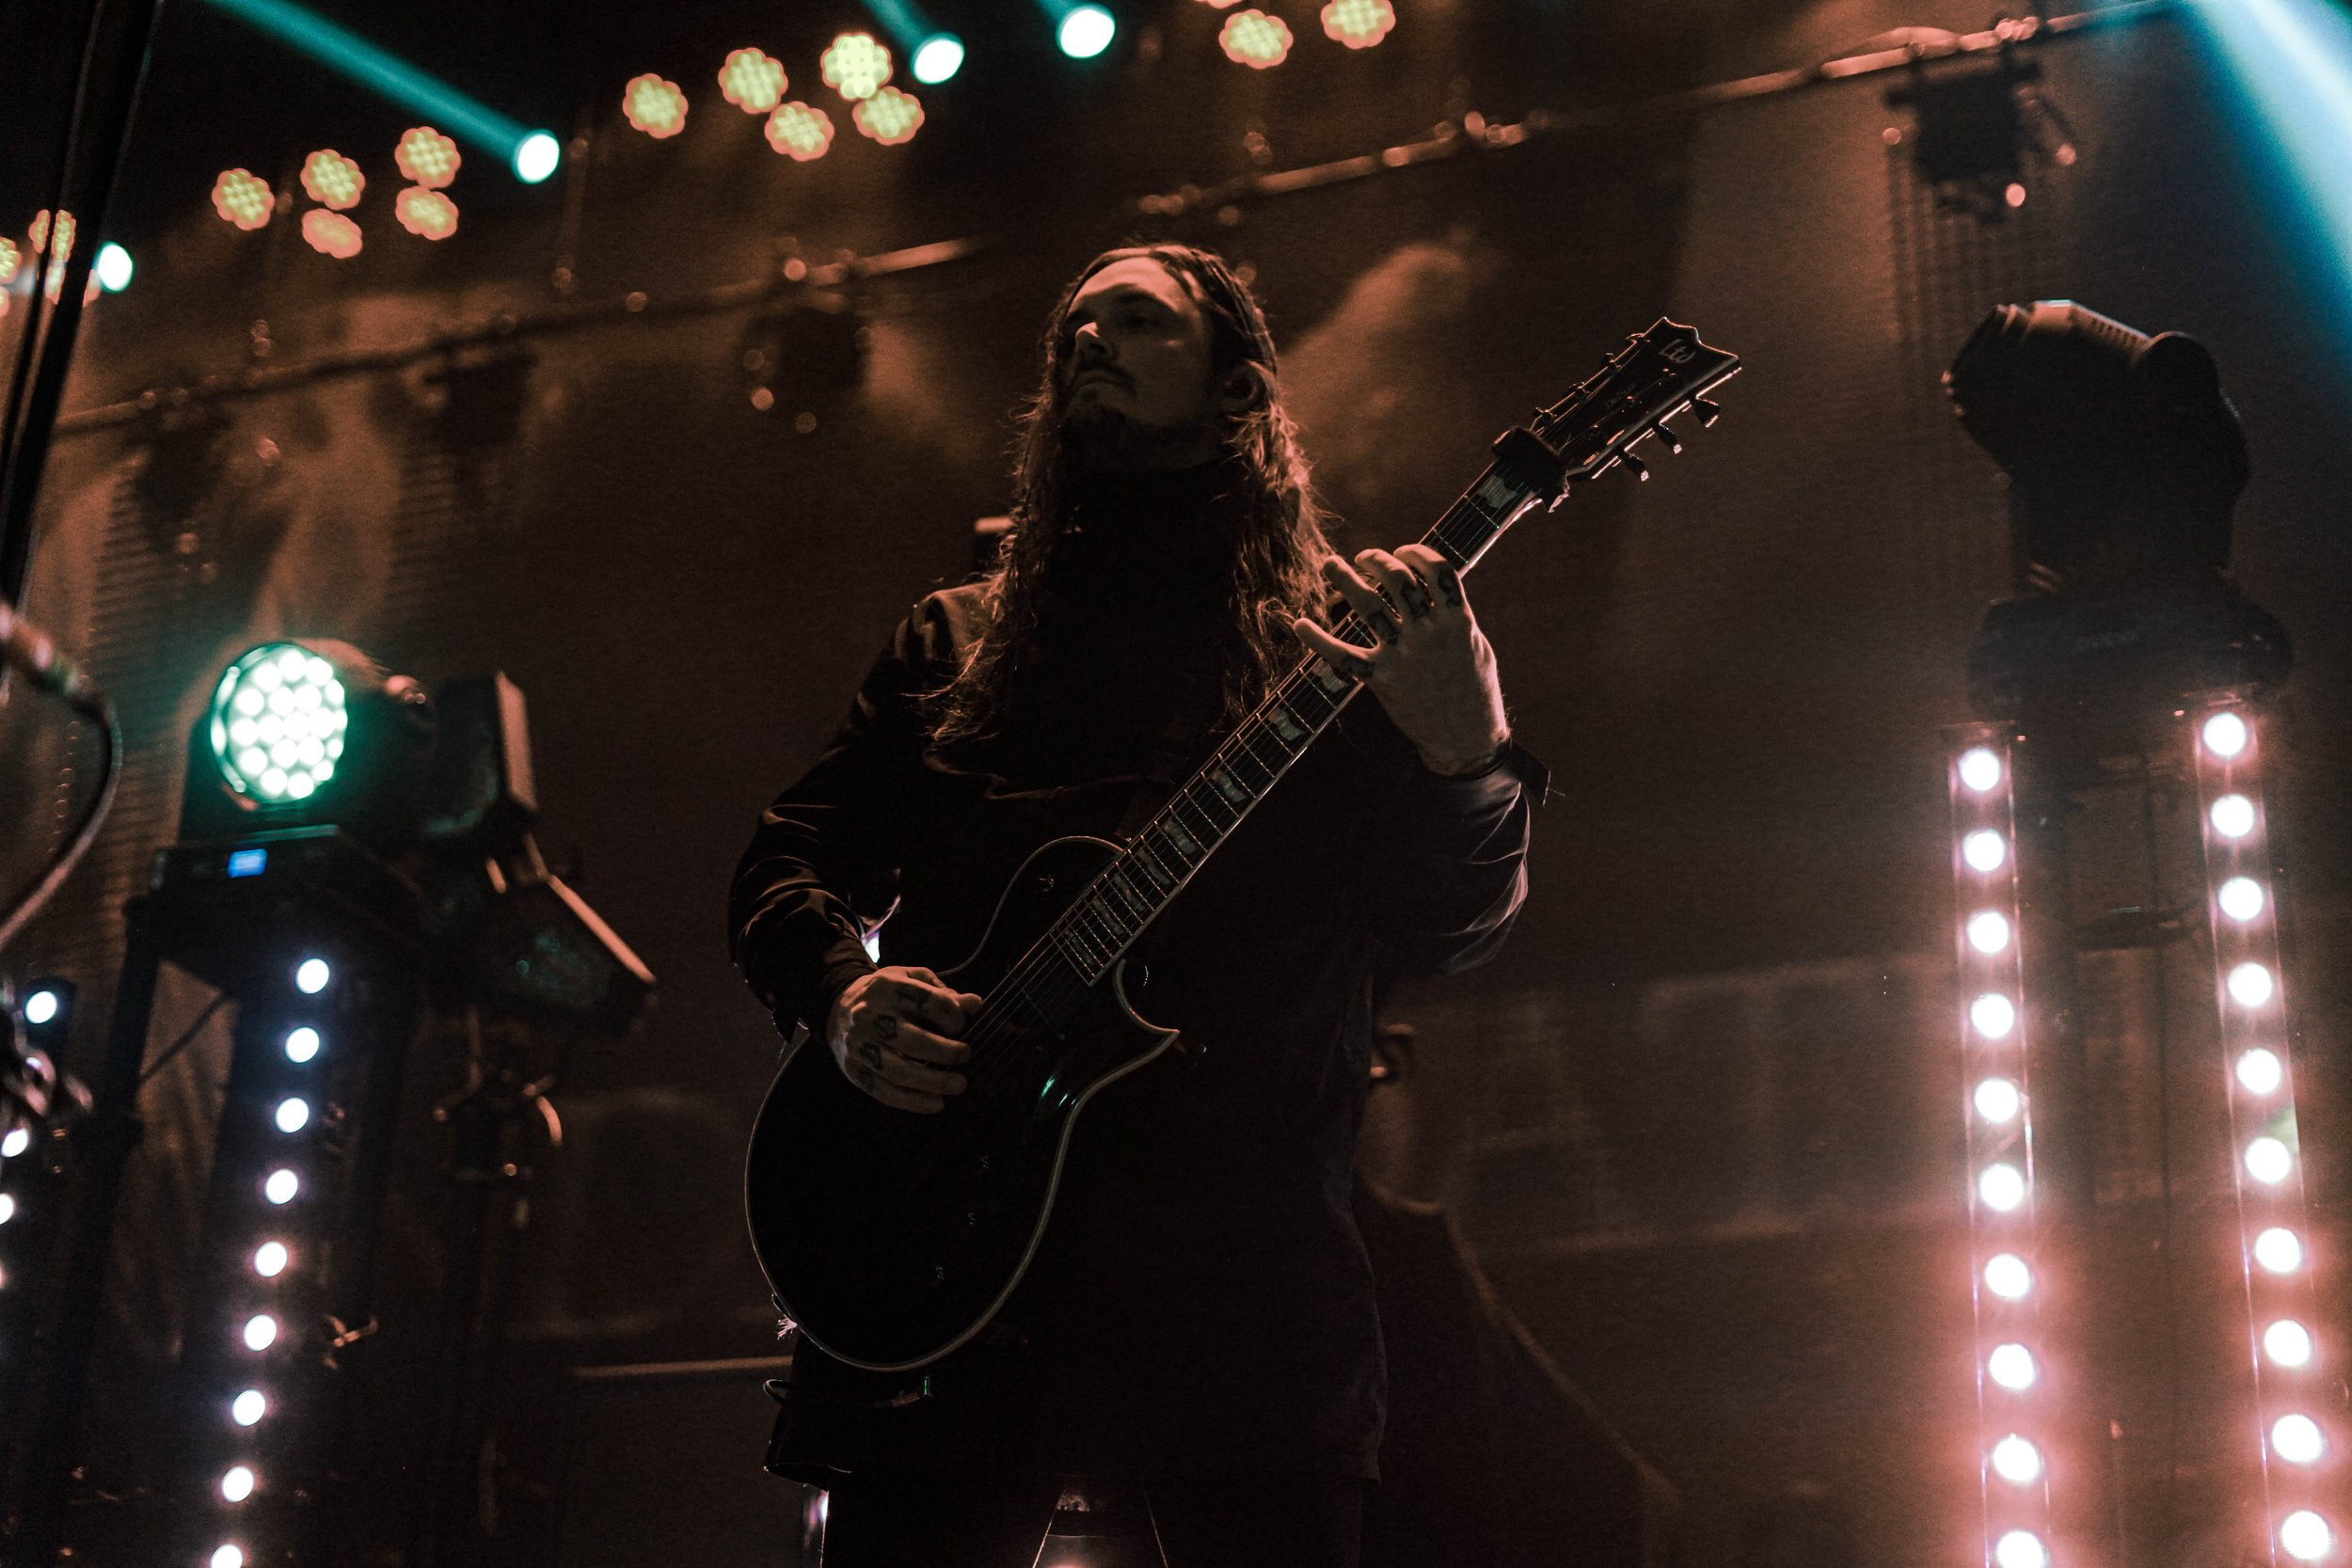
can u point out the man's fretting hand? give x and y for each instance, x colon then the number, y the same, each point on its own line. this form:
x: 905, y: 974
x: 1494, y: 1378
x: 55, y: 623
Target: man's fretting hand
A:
x: 893, y: 1032
x: 1430, y: 667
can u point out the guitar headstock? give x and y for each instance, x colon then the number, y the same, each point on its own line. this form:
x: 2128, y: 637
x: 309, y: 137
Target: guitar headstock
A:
x: 1660, y: 374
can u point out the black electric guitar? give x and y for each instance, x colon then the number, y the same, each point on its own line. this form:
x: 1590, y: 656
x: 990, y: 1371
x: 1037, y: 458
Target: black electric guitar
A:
x: 891, y: 1237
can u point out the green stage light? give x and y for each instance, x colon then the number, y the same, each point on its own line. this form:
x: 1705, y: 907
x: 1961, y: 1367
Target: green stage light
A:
x: 278, y: 722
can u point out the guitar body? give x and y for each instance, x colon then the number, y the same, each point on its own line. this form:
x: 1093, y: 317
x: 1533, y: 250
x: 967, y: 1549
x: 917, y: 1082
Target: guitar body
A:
x: 892, y: 1237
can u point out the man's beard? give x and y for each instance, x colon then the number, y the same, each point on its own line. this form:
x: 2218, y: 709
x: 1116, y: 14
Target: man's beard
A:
x: 1098, y: 439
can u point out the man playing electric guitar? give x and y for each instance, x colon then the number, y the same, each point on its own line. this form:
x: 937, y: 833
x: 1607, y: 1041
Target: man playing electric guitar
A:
x: 1199, y: 1317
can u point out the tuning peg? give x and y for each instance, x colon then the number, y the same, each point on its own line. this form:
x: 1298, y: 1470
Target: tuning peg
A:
x: 1641, y: 469
x: 1673, y: 443
x: 1708, y: 412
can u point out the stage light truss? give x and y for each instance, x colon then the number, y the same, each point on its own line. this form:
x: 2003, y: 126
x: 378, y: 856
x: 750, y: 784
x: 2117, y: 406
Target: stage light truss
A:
x: 2293, y: 1381
x: 2013, y: 1418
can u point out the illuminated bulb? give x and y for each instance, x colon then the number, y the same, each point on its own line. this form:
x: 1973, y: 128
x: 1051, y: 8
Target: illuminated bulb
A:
x: 801, y: 132
x: 237, y: 1484
x: 293, y: 1114
x: 311, y: 976
x: 1988, y: 931
x: 302, y: 1044
x: 536, y: 157
x: 2259, y: 1072
x: 1979, y: 768
x: 261, y: 1331
x: 855, y: 65
x: 8, y: 261
x: 2016, y: 1461
x: 427, y: 214
x: 2007, y: 1276
x: 1086, y: 31
x: 654, y: 105
x: 2279, y: 1251
x: 1359, y: 23
x: 427, y: 157
x: 2011, y: 1366
x: 111, y: 266
x: 2232, y: 817
x: 937, y: 58
x: 889, y: 116
x: 244, y: 198
x: 332, y: 181
x: 227, y: 1556
x: 2020, y: 1548
x: 2306, y: 1536
x: 2001, y: 1186
x: 281, y: 1186
x: 2288, y: 1343
x: 17, y: 1142
x: 1997, y: 1100
x: 2250, y: 984
x: 2267, y: 1160
x: 1984, y: 849
x: 248, y: 1408
x: 752, y: 80
x: 42, y: 1007
x: 2225, y: 735
x: 2241, y: 898
x: 331, y: 234
x: 270, y: 1260
x: 1994, y: 1015
x: 8, y: 1207
x: 1253, y: 38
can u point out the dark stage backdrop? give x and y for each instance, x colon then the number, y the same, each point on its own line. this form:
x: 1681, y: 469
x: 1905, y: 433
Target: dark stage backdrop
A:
x: 1700, y: 1120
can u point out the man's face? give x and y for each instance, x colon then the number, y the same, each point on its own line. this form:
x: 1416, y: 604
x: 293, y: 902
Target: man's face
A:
x: 1136, y: 388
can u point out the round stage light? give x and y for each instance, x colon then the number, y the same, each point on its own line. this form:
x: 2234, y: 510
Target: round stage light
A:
x: 537, y: 156
x: 752, y: 80
x: 654, y: 105
x: 237, y: 1484
x: 1256, y: 39
x: 2279, y: 1251
x: 2287, y: 1343
x: 8, y: 261
x: 1988, y: 931
x: 261, y: 1331
x: 1979, y: 768
x: 1359, y: 23
x: 331, y: 234
x: 1999, y: 1101
x: 2002, y: 1187
x: 293, y: 1113
x: 937, y: 58
x: 2016, y: 1461
x: 2241, y: 898
x: 312, y: 976
x: 2250, y: 984
x: 270, y: 1260
x: 2306, y: 1536
x: 1984, y: 850
x: 248, y: 1408
x: 855, y: 65
x: 889, y: 116
x: 2007, y: 1276
x: 332, y: 180
x: 2232, y: 817
x: 41, y: 1006
x: 2260, y: 1071
x: 278, y: 715
x: 38, y: 231
x: 244, y: 198
x: 427, y: 214
x: 1994, y: 1015
x: 302, y: 1044
x: 227, y: 1555
x: 112, y: 267
x: 2225, y: 735
x: 2267, y: 1160
x: 281, y: 1186
x: 802, y: 132
x: 2011, y: 1366
x: 17, y: 1142
x: 2020, y: 1548
x: 427, y: 158
x: 1086, y: 31
x: 8, y: 1207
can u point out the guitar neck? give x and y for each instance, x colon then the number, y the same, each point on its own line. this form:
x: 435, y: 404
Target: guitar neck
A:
x: 1105, y: 920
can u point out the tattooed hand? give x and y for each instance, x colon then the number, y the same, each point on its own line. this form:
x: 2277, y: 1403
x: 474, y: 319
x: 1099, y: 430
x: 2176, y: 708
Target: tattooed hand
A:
x: 1429, y: 664
x: 893, y: 1033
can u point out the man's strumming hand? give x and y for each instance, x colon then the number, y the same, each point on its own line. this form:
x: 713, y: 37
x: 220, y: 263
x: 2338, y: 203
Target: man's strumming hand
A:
x: 1431, y: 666
x: 893, y: 1033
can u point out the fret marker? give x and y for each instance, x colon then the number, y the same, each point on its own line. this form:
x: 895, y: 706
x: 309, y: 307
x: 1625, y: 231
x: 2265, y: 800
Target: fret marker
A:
x: 1186, y: 844
x: 1285, y: 724
x: 1228, y: 786
x: 1498, y: 492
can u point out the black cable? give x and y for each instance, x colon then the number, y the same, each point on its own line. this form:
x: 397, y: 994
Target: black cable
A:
x: 44, y: 887
x: 219, y: 1000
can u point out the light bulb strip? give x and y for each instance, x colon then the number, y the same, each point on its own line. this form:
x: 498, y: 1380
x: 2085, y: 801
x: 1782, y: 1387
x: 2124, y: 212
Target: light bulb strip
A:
x: 2254, y: 1017
x: 2001, y: 1212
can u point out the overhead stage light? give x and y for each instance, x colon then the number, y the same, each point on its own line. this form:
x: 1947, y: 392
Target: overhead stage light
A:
x: 111, y: 266
x: 2007, y: 1276
x: 2241, y: 898
x: 1359, y: 23
x: 427, y: 157
x: 855, y: 65
x: 938, y: 58
x: 2260, y: 1071
x: 1256, y: 39
x: 801, y: 132
x: 889, y: 116
x: 2225, y: 734
x: 2232, y: 817
x: 1082, y: 31
x: 2012, y: 1366
x: 2268, y: 1161
x: 752, y: 80
x: 279, y: 715
x: 248, y: 1408
x: 1979, y: 768
x: 332, y: 180
x: 1984, y: 850
x: 1994, y: 1015
x: 1988, y: 931
x: 244, y: 198
x: 1999, y: 1101
x: 537, y: 156
x: 2250, y: 984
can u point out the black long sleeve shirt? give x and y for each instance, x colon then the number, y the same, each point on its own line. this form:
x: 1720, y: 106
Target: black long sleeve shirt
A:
x: 1201, y: 1299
